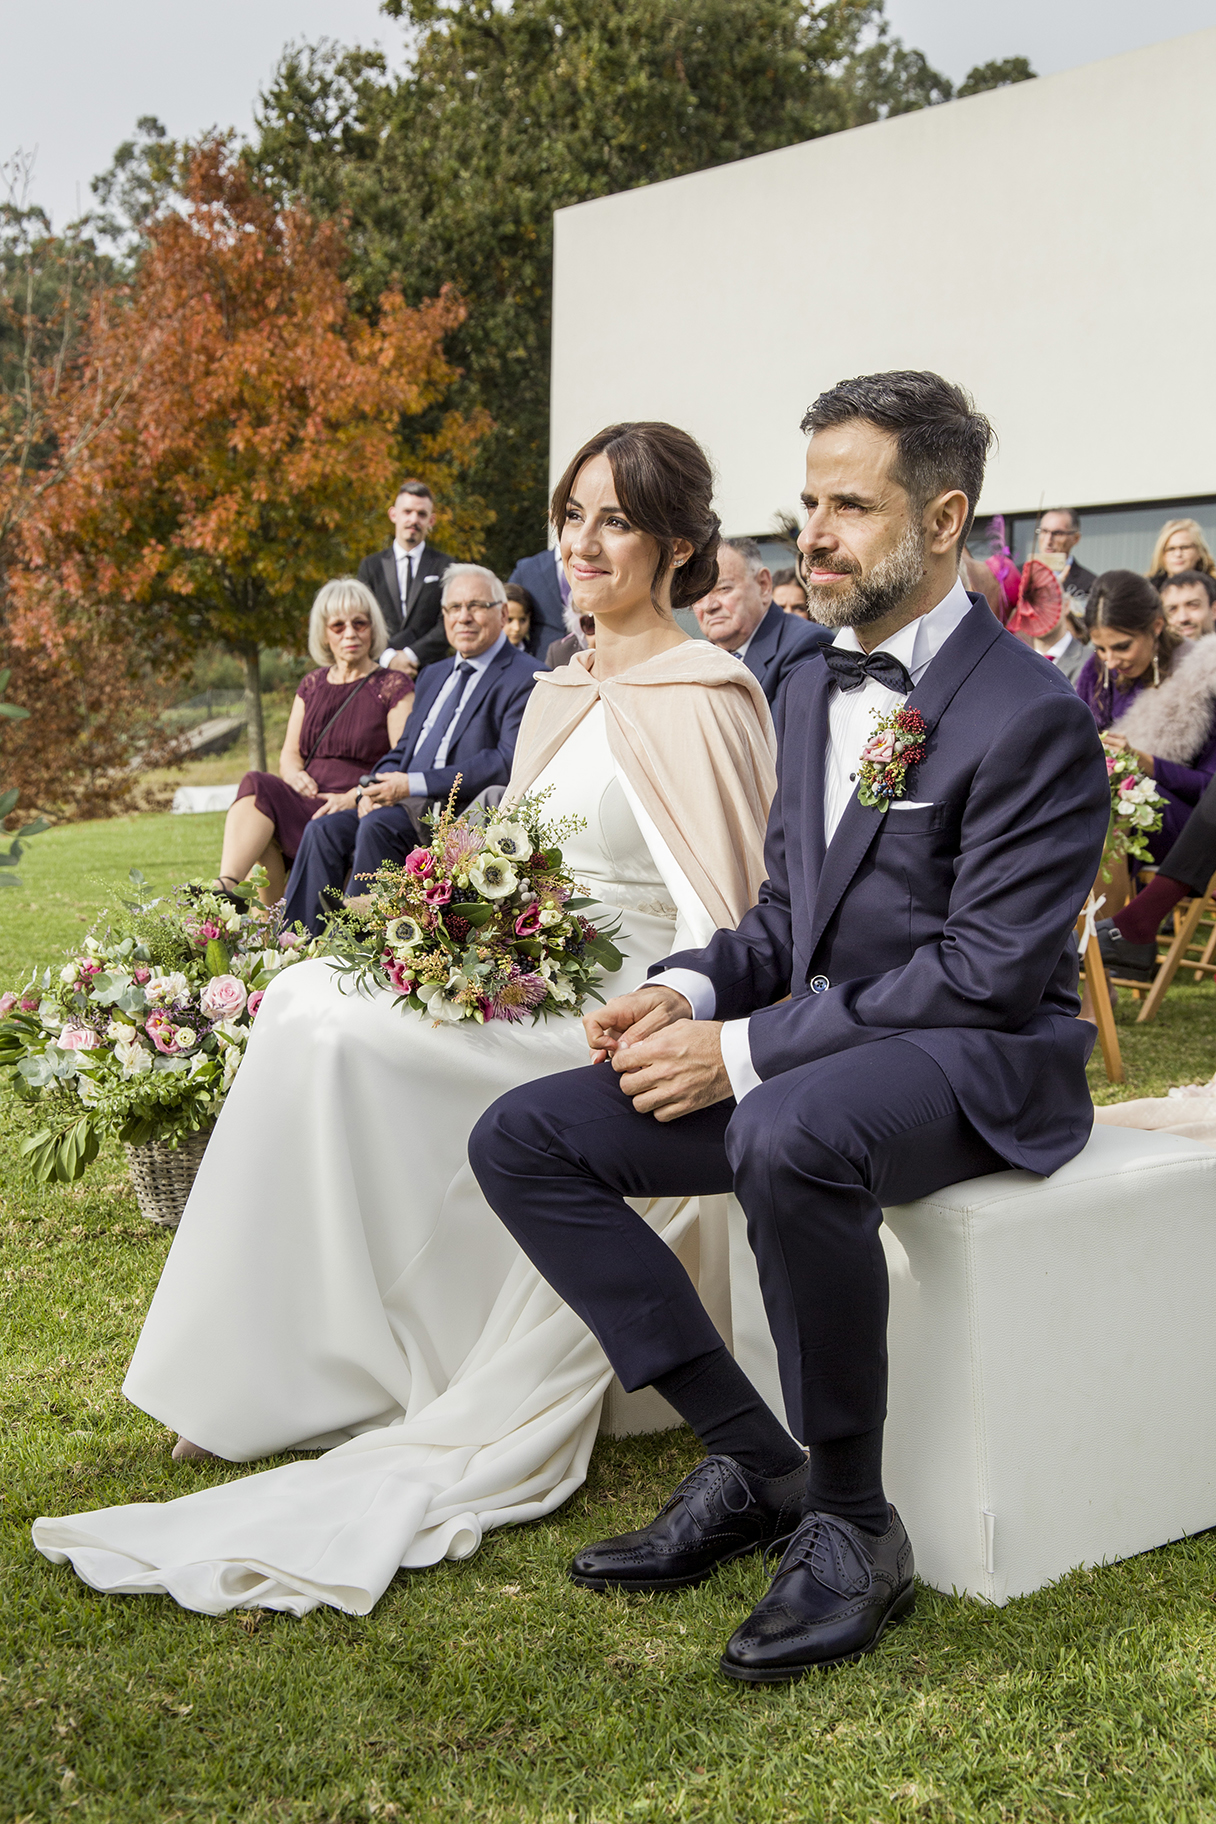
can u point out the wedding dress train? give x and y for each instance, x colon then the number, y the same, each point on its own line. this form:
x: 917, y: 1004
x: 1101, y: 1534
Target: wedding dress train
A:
x: 338, y: 1280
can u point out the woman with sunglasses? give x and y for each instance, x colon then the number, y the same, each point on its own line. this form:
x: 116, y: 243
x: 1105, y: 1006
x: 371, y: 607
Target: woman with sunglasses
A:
x: 346, y: 715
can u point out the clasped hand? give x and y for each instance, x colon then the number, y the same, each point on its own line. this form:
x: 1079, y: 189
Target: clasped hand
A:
x: 669, y: 1064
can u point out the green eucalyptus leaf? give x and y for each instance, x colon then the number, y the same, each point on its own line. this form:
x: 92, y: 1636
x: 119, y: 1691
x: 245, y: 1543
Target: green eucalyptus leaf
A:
x: 217, y: 958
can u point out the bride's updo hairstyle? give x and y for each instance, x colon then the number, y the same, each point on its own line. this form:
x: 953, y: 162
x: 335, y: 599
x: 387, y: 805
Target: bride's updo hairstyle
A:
x: 665, y: 486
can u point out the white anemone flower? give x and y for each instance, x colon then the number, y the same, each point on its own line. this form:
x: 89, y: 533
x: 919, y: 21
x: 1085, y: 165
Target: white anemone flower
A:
x: 493, y: 876
x: 509, y: 839
x: 404, y: 933
x: 440, y: 999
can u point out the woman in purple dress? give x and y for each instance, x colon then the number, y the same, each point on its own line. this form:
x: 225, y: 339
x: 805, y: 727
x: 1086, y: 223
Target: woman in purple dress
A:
x: 1153, y: 692
x: 346, y: 716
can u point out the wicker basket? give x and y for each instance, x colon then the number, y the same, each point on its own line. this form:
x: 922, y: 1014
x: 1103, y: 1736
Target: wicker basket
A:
x: 163, y: 1175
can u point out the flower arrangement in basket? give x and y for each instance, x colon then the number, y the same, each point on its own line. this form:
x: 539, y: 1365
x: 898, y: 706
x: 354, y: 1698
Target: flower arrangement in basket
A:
x: 1136, y: 810
x: 140, y: 1033
x: 484, y: 923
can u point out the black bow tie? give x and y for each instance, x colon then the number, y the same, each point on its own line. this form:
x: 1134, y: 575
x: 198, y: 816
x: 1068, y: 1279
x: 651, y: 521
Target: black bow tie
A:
x: 851, y: 669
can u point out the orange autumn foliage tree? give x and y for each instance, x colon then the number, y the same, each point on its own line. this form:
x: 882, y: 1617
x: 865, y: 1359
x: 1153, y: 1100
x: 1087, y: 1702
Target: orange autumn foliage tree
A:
x: 256, y: 453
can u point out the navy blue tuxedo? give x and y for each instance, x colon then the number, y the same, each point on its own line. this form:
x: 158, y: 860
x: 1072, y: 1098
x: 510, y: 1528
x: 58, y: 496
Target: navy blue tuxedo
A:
x: 481, y: 751
x: 780, y: 642
x: 538, y: 575
x: 930, y: 1035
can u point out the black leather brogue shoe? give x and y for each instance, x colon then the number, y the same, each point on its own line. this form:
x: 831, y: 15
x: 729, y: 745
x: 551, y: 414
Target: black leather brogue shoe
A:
x: 719, y: 1512
x: 1135, y: 962
x: 836, y: 1592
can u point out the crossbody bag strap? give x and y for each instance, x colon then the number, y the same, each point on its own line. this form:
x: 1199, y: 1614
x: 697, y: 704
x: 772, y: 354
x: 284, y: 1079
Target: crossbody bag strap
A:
x: 344, y: 704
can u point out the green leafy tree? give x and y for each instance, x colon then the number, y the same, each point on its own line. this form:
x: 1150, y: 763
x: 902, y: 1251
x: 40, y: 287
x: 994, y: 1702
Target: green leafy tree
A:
x: 507, y: 113
x: 996, y: 75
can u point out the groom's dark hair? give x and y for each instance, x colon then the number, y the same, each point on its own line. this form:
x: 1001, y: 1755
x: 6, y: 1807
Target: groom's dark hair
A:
x: 941, y: 440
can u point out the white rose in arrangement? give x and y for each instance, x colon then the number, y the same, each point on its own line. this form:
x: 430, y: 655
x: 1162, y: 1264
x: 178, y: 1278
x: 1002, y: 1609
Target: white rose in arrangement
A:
x: 493, y: 876
x: 509, y: 839
x: 440, y: 997
x: 229, y: 1033
x: 68, y: 972
x: 223, y: 997
x: 166, y: 986
x: 185, y: 1037
x: 550, y: 917
x: 133, y: 1057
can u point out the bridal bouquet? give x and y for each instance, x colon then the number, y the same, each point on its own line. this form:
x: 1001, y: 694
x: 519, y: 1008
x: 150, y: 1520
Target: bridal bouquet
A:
x: 482, y: 924
x: 1136, y: 810
x: 140, y: 1033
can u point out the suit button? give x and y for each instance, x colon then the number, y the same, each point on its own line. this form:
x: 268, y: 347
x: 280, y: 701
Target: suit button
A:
x: 819, y: 984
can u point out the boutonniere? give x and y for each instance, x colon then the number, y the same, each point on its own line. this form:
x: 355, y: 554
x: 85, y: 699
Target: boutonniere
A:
x: 897, y: 743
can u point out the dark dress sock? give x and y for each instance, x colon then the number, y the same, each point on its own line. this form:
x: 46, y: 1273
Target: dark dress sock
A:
x: 714, y: 1396
x: 846, y: 1479
x: 1140, y: 918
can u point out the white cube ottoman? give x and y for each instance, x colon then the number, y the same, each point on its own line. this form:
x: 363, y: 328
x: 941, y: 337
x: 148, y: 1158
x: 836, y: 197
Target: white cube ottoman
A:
x: 1053, y: 1362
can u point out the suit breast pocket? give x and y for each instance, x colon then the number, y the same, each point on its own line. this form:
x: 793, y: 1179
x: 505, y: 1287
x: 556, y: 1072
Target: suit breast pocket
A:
x: 914, y: 820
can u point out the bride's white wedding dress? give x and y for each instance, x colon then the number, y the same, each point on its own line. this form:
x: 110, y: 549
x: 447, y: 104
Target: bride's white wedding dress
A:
x: 339, y: 1280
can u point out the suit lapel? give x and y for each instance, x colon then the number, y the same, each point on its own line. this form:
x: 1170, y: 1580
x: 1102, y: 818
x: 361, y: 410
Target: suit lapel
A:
x: 763, y: 647
x: 389, y: 562
x: 859, y: 826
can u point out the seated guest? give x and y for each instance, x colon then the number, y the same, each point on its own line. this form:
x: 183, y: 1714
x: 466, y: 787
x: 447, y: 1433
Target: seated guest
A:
x: 579, y: 638
x: 1128, y: 941
x: 1180, y: 546
x: 1151, y: 692
x: 789, y: 594
x: 545, y: 580
x: 740, y: 616
x: 1186, y: 601
x: 520, y: 609
x: 344, y: 716
x: 465, y: 722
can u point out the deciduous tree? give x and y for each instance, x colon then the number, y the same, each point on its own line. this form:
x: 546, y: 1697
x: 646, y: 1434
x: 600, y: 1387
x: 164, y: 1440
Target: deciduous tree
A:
x: 254, y: 456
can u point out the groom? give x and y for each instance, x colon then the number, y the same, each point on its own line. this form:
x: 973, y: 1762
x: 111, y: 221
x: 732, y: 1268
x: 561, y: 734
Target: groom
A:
x: 896, y: 1014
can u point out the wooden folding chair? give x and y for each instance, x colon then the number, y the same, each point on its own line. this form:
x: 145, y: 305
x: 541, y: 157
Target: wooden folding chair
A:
x: 1176, y: 951
x: 1096, y: 1003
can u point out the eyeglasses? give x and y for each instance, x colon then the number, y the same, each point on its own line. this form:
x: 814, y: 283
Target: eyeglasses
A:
x: 451, y: 609
x: 341, y: 626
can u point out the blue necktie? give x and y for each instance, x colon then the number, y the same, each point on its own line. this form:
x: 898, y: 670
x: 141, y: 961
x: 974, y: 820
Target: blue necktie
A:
x: 431, y: 743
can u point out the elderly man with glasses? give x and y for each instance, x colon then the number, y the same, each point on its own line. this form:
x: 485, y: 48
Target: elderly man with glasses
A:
x: 465, y: 720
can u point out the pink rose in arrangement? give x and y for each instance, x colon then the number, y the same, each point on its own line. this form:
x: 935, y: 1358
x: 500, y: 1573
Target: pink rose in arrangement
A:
x: 161, y: 1028
x: 438, y: 893
x: 223, y: 998
x: 290, y: 940
x: 90, y: 968
x: 28, y: 1005
x: 255, y: 1001
x: 142, y: 975
x: 1111, y: 763
x: 78, y: 1038
x: 420, y: 863
x: 880, y: 750
x: 528, y: 922
x: 7, y: 1003
x: 203, y: 934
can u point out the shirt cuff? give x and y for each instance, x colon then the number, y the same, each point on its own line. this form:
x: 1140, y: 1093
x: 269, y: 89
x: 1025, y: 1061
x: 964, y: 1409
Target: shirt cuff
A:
x: 417, y: 784
x: 696, y: 988
x: 737, y: 1058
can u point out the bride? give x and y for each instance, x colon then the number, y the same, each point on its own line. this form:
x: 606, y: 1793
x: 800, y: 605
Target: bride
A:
x: 338, y: 1281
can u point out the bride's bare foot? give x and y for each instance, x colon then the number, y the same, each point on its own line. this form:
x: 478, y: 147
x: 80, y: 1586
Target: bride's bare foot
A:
x: 184, y: 1451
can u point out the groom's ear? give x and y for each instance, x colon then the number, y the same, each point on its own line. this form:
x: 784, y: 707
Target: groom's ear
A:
x: 945, y: 516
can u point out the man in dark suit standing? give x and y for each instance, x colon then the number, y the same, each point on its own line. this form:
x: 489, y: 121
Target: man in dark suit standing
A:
x: 740, y: 615
x: 406, y: 579
x: 545, y: 580
x: 465, y: 720
x: 897, y: 1013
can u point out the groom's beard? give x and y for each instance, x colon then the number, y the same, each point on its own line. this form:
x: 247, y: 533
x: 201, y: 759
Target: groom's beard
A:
x: 871, y: 598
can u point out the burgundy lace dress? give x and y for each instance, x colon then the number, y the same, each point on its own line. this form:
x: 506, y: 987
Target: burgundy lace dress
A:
x: 349, y: 749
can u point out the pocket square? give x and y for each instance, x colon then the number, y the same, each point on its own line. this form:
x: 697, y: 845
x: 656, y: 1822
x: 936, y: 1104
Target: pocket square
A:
x: 908, y: 804
x: 430, y: 579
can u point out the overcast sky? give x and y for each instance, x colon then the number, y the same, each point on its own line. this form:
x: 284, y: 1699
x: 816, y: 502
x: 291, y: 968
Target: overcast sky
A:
x: 78, y: 74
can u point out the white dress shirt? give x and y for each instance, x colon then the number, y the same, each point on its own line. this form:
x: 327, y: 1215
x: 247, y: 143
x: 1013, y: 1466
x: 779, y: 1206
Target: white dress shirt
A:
x: 850, y: 720
x: 1058, y: 650
x: 418, y: 784
x: 407, y: 569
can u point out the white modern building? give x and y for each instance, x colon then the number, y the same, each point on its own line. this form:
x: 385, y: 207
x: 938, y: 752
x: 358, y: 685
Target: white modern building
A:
x: 1049, y: 245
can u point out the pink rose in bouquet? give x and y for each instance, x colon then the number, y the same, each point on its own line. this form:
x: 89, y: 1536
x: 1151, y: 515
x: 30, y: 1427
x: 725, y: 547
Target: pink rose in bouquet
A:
x: 142, y: 975
x: 881, y: 749
x: 7, y: 1003
x: 290, y: 940
x: 29, y: 1005
x: 78, y: 1038
x: 255, y: 1001
x: 223, y: 998
x: 203, y: 934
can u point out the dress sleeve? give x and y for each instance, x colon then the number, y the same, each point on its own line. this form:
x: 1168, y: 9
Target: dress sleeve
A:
x: 393, y: 685
x: 308, y: 684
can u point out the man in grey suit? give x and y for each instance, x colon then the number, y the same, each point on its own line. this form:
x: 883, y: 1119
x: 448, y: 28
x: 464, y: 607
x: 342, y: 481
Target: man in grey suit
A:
x: 740, y: 615
x: 406, y: 579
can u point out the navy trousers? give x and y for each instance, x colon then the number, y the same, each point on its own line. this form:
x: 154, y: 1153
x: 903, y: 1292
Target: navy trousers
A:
x: 344, y: 841
x: 813, y: 1156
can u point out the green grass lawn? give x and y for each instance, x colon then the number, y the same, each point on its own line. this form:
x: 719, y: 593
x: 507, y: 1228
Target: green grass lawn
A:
x: 493, y: 1690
